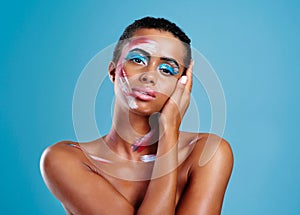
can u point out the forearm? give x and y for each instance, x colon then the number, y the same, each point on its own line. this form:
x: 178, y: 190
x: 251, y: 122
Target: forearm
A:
x: 160, y: 197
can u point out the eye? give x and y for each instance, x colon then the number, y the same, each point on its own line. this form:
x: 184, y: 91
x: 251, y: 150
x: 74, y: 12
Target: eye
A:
x: 136, y: 58
x: 168, y: 69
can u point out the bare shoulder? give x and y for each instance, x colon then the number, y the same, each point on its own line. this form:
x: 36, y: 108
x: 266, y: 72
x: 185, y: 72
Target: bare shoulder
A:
x: 207, y: 148
x: 57, y: 157
x: 210, y: 165
x: 213, y: 148
x: 62, y: 166
x: 70, y: 177
x: 59, y: 151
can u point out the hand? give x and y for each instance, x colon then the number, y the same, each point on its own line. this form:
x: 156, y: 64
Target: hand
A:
x: 175, y: 108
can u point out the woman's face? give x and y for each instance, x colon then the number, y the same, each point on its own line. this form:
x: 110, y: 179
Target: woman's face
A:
x: 148, y: 69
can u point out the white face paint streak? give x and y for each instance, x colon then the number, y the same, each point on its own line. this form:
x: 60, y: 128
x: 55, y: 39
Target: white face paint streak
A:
x: 150, y: 46
x: 153, y: 47
x: 126, y: 89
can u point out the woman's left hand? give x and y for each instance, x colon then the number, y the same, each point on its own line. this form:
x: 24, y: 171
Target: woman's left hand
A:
x: 175, y: 108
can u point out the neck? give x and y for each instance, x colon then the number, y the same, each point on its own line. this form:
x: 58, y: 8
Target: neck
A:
x: 130, y: 129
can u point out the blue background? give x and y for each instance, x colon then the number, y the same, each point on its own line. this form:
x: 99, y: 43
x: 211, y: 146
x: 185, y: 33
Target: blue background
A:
x: 252, y: 45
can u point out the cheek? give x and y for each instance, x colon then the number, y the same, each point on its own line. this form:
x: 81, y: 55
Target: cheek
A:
x: 129, y: 70
x: 166, y: 86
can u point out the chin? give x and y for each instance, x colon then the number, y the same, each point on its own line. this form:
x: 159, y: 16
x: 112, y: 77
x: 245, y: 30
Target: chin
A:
x: 145, y: 110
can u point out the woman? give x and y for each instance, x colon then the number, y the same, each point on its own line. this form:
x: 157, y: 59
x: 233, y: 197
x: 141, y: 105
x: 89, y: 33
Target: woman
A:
x: 144, y: 165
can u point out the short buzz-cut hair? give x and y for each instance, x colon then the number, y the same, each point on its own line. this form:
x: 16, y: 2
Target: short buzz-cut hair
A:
x: 158, y: 24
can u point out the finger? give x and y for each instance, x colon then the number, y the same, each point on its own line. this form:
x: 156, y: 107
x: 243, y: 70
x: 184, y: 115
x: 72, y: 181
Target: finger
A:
x: 189, y: 74
x: 185, y: 97
x: 183, y: 83
x: 180, y: 87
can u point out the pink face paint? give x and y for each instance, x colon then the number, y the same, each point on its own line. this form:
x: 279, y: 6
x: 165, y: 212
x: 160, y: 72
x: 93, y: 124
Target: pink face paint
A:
x: 141, y: 43
x: 145, y: 44
x: 124, y: 84
x: 158, y: 49
x: 141, y: 143
x: 126, y: 89
x: 153, y: 48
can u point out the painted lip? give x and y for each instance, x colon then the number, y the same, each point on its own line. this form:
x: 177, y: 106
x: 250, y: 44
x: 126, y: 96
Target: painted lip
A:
x: 143, y: 93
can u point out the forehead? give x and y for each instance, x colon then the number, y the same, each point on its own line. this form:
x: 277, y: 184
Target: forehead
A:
x: 159, y: 44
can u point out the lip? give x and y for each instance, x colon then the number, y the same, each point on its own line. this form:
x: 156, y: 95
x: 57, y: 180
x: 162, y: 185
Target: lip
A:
x: 143, y: 93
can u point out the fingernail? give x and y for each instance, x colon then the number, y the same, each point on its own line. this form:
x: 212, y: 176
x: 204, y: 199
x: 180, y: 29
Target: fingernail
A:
x: 183, y: 79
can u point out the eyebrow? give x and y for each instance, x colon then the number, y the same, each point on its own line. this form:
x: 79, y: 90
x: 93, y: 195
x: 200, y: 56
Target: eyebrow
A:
x: 140, y: 50
x: 147, y: 54
x: 171, y: 60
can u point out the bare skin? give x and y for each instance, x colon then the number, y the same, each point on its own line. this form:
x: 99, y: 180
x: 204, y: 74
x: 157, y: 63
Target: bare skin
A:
x: 83, y: 188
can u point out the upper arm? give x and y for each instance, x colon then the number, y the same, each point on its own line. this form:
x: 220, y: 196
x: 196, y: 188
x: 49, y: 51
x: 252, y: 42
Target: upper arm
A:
x: 80, y: 190
x: 207, y: 184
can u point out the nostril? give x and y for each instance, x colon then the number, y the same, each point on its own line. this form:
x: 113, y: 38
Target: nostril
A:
x: 147, y: 78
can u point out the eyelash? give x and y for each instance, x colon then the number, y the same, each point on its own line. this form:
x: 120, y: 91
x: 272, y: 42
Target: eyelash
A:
x: 170, y: 70
x: 139, y: 59
x: 136, y: 58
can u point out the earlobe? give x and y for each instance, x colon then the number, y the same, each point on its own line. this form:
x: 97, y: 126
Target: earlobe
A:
x: 112, y: 71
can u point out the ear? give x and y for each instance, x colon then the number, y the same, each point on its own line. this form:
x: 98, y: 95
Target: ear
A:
x: 112, y: 71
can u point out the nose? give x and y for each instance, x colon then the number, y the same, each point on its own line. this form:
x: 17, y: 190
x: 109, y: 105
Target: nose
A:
x: 148, y: 78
